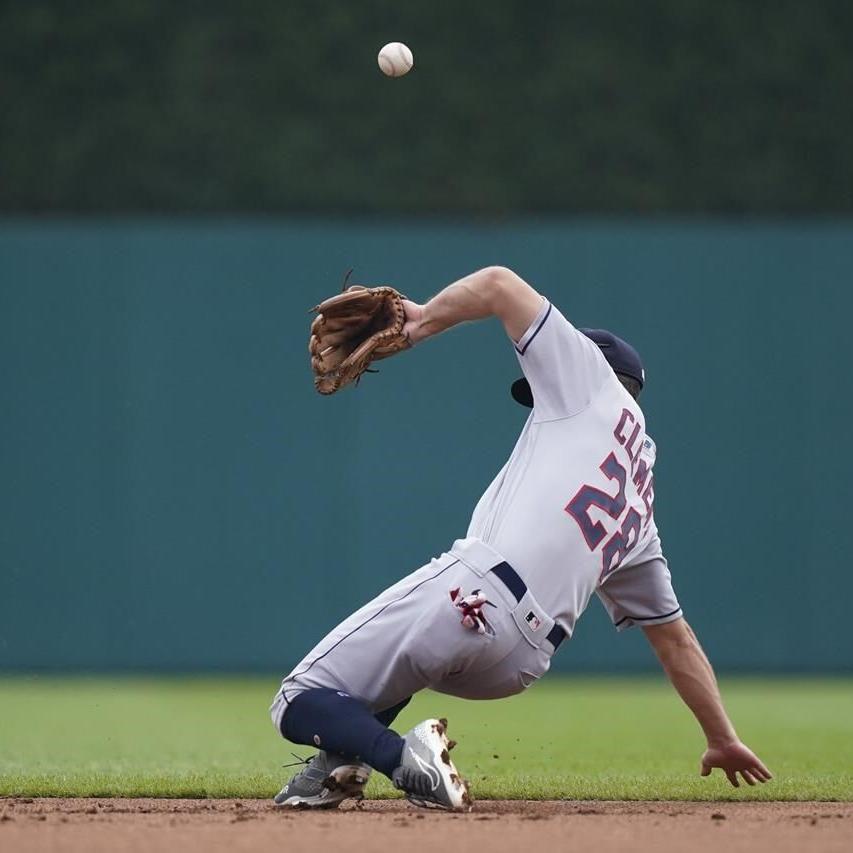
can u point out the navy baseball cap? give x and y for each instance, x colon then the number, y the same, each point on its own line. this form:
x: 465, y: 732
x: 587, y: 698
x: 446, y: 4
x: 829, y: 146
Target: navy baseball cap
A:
x: 620, y: 355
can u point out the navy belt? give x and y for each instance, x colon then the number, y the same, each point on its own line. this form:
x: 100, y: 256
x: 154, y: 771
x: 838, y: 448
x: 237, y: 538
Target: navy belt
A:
x: 513, y: 582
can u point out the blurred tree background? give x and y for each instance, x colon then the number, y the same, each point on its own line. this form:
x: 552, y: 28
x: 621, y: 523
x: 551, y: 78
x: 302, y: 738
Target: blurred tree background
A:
x: 514, y: 107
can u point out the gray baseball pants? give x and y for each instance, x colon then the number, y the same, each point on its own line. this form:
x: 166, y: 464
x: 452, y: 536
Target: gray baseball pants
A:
x: 411, y: 637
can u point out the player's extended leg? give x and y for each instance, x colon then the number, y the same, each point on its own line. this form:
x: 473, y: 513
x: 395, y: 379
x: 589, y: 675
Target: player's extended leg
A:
x: 371, y: 664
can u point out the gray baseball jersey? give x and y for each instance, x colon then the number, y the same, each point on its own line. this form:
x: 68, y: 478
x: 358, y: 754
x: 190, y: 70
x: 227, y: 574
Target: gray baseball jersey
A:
x: 572, y: 509
x: 570, y: 514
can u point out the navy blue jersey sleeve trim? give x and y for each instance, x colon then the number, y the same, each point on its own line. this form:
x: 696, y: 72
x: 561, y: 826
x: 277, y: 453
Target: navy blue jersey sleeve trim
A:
x: 646, y: 618
x: 535, y: 333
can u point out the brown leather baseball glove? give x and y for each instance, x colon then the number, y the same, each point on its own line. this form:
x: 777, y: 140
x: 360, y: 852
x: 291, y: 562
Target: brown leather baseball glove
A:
x: 353, y: 329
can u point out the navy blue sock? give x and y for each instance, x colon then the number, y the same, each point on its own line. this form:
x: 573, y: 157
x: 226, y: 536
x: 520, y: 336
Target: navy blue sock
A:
x: 338, y: 723
x: 388, y: 716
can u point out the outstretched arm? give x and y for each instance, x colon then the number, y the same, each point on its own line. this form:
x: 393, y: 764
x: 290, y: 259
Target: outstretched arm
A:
x: 490, y: 292
x: 692, y: 676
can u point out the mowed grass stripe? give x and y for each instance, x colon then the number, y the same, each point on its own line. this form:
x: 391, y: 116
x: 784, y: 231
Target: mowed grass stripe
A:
x: 578, y: 738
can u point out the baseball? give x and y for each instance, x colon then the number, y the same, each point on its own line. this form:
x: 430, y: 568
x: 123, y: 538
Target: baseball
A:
x: 395, y: 59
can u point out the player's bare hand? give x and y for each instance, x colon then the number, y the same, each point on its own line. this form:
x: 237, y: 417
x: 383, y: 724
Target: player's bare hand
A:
x: 413, y: 327
x: 734, y: 758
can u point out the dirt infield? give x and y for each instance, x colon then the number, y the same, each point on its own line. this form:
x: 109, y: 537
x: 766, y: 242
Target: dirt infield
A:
x: 214, y: 825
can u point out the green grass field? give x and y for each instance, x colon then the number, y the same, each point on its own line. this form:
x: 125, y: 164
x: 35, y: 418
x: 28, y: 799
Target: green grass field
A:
x: 574, y: 738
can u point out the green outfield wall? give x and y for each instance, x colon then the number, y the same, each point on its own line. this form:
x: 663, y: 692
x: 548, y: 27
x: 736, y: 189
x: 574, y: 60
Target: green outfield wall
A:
x: 174, y: 494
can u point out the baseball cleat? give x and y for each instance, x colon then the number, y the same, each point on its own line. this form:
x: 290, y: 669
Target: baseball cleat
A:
x: 324, y: 783
x: 426, y: 774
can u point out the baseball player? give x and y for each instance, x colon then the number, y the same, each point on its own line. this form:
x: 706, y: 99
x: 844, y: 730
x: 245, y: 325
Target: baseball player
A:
x: 569, y: 515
